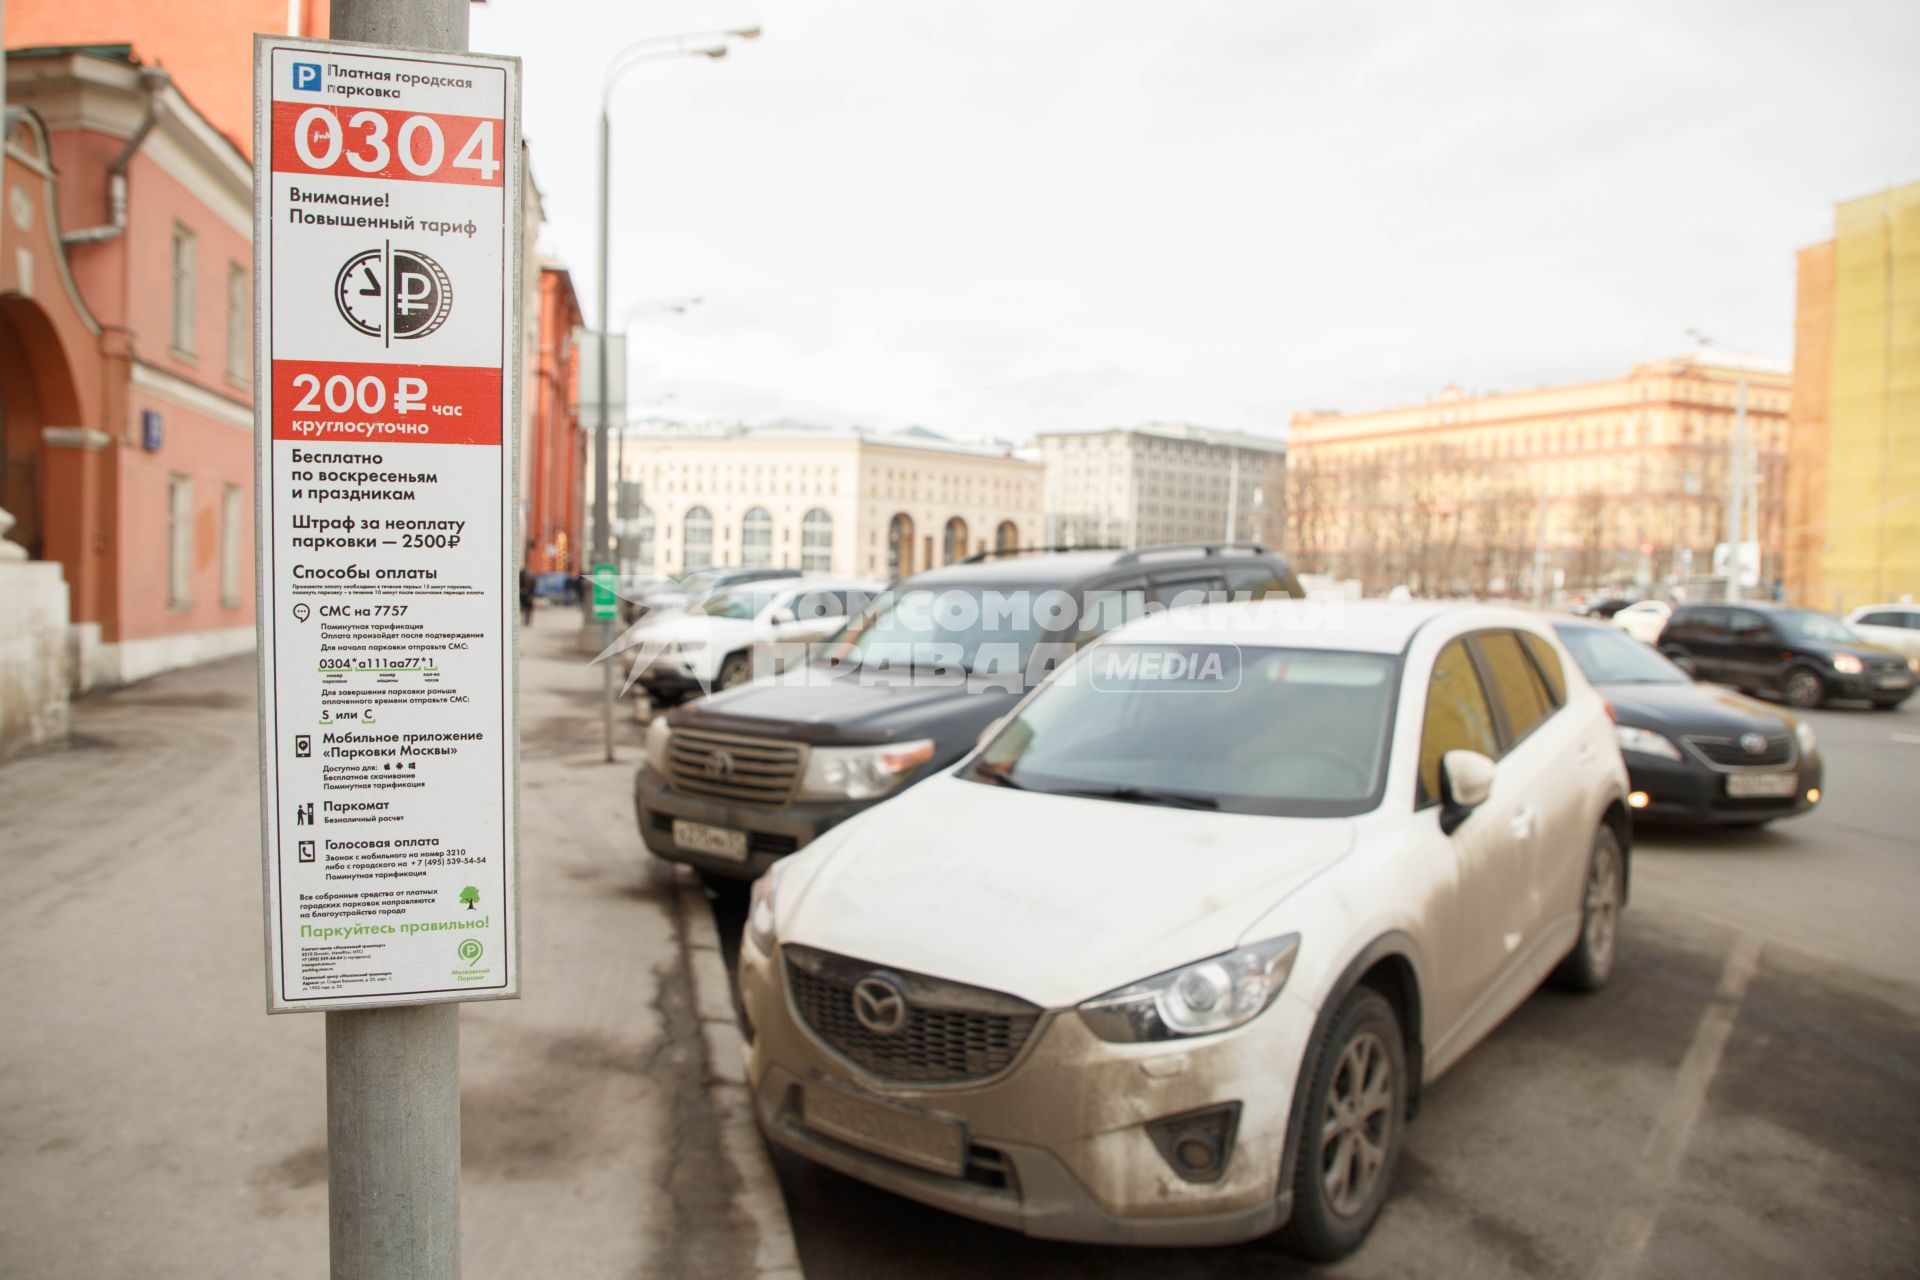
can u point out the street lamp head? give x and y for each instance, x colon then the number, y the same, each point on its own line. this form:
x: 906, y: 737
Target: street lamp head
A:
x: 745, y: 33
x: 721, y: 52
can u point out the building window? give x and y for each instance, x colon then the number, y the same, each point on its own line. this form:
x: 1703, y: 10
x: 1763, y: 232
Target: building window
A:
x: 955, y: 541
x: 696, y: 551
x: 237, y: 322
x: 756, y: 539
x: 643, y: 539
x: 179, y: 542
x: 231, y: 516
x: 186, y: 254
x: 900, y: 546
x: 1006, y: 537
x: 816, y: 542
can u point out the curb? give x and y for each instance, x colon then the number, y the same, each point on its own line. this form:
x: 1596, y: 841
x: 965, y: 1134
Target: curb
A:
x: 759, y: 1200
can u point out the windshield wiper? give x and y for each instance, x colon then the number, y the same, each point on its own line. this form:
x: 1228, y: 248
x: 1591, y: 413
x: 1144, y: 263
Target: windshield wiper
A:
x: 983, y: 774
x: 1143, y: 795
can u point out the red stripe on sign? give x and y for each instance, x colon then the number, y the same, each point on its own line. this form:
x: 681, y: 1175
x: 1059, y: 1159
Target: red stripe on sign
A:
x: 335, y: 400
x: 370, y: 142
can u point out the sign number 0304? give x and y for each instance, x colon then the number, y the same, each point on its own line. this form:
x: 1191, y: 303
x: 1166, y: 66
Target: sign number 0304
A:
x: 419, y: 144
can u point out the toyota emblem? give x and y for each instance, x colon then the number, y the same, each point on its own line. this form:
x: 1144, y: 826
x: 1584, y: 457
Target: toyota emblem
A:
x: 1753, y: 743
x: 719, y: 766
x: 879, y: 1004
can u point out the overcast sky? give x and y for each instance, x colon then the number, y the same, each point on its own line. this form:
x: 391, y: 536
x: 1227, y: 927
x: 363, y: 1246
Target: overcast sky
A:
x: 994, y: 217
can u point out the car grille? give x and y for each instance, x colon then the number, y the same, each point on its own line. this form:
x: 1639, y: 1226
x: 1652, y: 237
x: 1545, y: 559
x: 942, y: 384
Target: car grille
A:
x: 1728, y: 752
x: 953, y: 1033
x: 728, y: 766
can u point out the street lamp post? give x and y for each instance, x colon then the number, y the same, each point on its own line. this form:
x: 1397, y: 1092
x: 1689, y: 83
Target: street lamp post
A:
x: 654, y: 49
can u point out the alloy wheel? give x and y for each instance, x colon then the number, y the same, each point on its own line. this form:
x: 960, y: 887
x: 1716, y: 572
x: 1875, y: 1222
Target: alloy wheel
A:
x: 1804, y: 689
x: 1603, y: 906
x: 1357, y: 1124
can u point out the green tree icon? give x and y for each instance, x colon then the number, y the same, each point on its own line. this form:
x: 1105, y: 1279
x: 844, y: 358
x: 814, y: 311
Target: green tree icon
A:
x: 470, y: 896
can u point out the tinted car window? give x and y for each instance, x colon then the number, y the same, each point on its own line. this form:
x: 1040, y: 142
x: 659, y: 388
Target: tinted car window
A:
x: 1881, y: 620
x: 1255, y: 580
x: 1547, y: 659
x: 1110, y: 606
x: 1175, y: 592
x: 1458, y: 717
x: 1516, y: 684
x: 1705, y: 622
x: 1747, y: 623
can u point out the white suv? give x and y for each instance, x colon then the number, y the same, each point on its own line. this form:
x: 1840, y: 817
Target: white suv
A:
x: 1169, y: 959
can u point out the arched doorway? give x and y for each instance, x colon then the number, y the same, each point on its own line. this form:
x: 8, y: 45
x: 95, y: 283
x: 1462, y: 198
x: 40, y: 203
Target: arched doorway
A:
x: 1006, y: 537
x: 954, y: 544
x: 900, y: 546
x: 36, y: 391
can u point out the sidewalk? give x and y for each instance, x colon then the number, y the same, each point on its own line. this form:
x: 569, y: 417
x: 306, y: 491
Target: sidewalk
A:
x: 155, y: 1122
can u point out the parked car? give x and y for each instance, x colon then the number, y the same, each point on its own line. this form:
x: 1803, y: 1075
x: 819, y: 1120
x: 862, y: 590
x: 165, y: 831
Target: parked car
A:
x: 712, y: 646
x: 1897, y: 626
x: 1644, y: 620
x: 1695, y: 754
x: 1806, y: 657
x: 696, y: 585
x: 736, y: 780
x: 1605, y: 607
x: 1170, y: 958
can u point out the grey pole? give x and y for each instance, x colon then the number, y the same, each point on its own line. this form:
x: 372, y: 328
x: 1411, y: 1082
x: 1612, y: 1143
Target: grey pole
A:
x: 602, y: 522
x: 393, y: 1075
x: 1736, y: 488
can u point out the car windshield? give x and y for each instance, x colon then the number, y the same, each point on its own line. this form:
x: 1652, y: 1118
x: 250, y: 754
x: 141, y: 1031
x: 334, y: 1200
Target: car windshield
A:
x: 1608, y: 656
x: 1292, y: 732
x: 974, y: 630
x: 743, y: 602
x: 1804, y: 626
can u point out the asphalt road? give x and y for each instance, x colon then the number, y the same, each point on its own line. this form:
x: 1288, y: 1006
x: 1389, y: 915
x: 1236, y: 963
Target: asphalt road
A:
x: 1738, y: 1102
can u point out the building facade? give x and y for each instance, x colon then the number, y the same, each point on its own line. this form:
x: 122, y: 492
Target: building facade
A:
x: 1853, y: 510
x: 1163, y: 483
x: 126, y: 359
x: 844, y: 502
x: 553, y: 450
x: 1621, y: 481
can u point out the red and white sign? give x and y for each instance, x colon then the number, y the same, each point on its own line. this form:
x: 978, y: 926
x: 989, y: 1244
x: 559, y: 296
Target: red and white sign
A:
x: 387, y: 251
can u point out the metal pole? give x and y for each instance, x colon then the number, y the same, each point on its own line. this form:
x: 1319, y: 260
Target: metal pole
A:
x: 1540, y: 555
x: 1736, y: 489
x: 602, y: 521
x: 393, y: 1075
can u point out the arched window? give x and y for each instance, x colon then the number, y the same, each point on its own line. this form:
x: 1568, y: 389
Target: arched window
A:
x: 756, y: 539
x: 900, y: 546
x: 816, y: 542
x: 696, y: 550
x: 1006, y: 537
x: 954, y: 546
x: 643, y: 539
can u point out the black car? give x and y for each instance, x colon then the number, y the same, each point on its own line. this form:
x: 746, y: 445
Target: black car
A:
x: 1806, y: 657
x: 734, y: 781
x: 1695, y: 754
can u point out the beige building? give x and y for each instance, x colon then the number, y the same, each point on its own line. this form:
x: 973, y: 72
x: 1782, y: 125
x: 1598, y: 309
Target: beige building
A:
x: 1162, y: 483
x: 1629, y: 476
x: 825, y: 500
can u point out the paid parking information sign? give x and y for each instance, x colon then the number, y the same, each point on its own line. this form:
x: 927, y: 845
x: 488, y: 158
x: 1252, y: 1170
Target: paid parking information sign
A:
x: 387, y: 255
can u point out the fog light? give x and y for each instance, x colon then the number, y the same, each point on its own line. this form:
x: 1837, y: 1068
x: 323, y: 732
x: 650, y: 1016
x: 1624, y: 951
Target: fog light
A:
x: 1813, y: 795
x: 1637, y: 800
x: 1197, y: 1144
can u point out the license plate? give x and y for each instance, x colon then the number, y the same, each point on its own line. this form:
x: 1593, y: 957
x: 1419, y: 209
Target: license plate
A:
x: 718, y: 841
x: 902, y: 1133
x: 1759, y: 785
x: 1894, y: 682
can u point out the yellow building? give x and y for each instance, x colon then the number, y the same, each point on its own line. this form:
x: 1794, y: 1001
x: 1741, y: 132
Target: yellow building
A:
x: 1854, y: 506
x: 1628, y: 475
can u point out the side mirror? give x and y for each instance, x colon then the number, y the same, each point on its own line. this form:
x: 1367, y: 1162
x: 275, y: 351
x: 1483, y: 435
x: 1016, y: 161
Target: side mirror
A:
x: 783, y: 615
x: 1466, y: 779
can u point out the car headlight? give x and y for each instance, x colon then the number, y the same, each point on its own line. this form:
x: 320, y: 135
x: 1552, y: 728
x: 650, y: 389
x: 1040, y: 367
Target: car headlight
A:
x: 1207, y: 996
x: 690, y: 646
x: 1804, y: 732
x: 1914, y: 665
x: 1646, y: 742
x: 860, y: 773
x: 760, y: 924
x: 1847, y: 665
x: 658, y: 737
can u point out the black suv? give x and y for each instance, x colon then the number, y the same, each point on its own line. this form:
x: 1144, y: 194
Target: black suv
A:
x: 734, y: 781
x: 1808, y: 657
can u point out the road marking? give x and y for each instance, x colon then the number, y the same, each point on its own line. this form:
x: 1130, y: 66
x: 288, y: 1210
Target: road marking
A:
x: 1666, y: 1144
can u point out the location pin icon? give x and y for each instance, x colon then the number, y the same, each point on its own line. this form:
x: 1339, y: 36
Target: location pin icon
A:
x: 302, y: 612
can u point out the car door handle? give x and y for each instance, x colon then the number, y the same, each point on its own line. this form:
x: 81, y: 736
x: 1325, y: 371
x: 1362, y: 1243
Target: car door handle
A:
x: 1521, y: 824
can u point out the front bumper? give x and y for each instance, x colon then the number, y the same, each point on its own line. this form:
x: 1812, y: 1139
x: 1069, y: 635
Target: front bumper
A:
x: 1057, y: 1143
x: 772, y: 833
x: 1690, y: 793
x: 1866, y: 687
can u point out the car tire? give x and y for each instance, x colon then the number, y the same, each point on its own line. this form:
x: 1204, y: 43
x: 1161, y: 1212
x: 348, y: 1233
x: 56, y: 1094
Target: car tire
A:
x: 1803, y: 688
x: 1353, y: 1123
x: 1603, y: 893
x: 737, y: 669
x: 724, y: 888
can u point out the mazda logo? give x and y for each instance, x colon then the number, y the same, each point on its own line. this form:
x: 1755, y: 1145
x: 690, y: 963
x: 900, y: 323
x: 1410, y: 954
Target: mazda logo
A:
x: 1753, y: 743
x: 719, y: 766
x: 879, y: 1004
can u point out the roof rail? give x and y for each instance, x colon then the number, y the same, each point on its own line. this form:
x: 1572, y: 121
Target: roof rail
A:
x: 1204, y: 548
x: 981, y: 557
